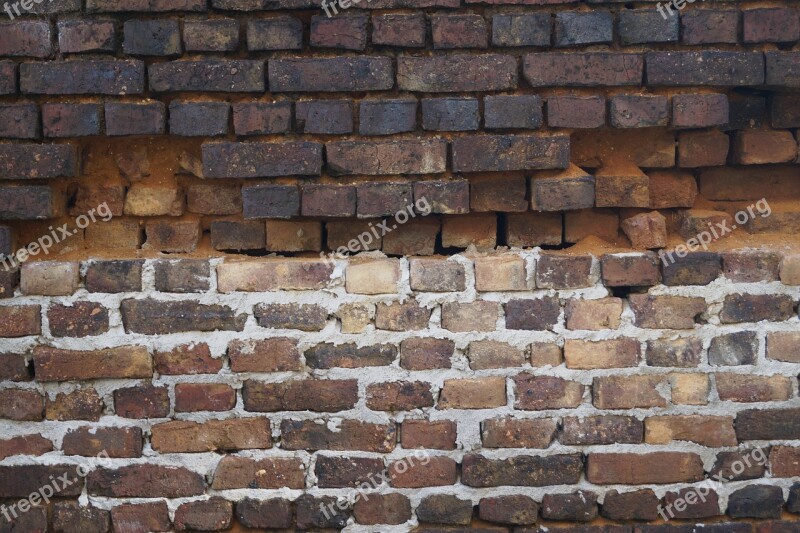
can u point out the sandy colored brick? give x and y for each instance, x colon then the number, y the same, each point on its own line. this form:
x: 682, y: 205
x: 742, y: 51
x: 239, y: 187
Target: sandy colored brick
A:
x: 114, y: 234
x: 594, y: 315
x: 49, y: 278
x: 610, y: 353
x: 500, y: 273
x: 790, y: 269
x: 690, y: 389
x: 473, y: 393
x: 485, y: 354
x: 711, y: 431
x: 545, y: 354
x: 294, y: 235
x: 478, y: 229
x: 629, y: 392
x: 149, y: 201
x: 437, y: 275
x: 471, y: 316
x: 784, y: 346
x: 379, y: 276
x: 749, y: 388
x: 273, y: 274
x: 355, y: 317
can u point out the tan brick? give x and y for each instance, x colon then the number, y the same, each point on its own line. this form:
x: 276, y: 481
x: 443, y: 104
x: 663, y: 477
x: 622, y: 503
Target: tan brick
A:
x: 690, y: 389
x: 437, y: 275
x: 273, y: 274
x: 493, y: 354
x: 49, y: 278
x: 114, y: 234
x: 611, y: 353
x: 601, y: 223
x: 192, y: 437
x: 646, y: 230
x: 398, y: 316
x: 500, y: 273
x: 536, y: 393
x: 355, y: 317
x: 784, y: 346
x: 378, y: 276
x: 668, y: 312
x: 173, y: 236
x: 636, y: 469
x: 790, y: 269
x: 478, y: 229
x: 628, y: 392
x: 294, y: 235
x: 473, y: 393
x: 594, y: 315
x: 545, y: 354
x: 149, y: 201
x: 711, y: 431
x: 761, y: 147
x: 473, y: 316
x: 55, y: 364
x: 749, y: 388
x: 622, y: 184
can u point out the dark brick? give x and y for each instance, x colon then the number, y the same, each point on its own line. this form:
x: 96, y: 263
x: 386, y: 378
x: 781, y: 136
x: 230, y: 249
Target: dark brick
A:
x: 114, y: 276
x: 154, y: 317
x: 771, y: 25
x: 18, y: 202
x: 709, y: 67
x: 145, y: 481
x: 756, y: 307
x: 13, y: 367
x: 521, y: 29
x: 511, y: 510
x: 682, y: 353
x: 340, y: 472
x: 273, y: 513
x: 19, y: 121
x: 276, y: 33
x: 81, y: 404
x: 793, y: 503
x: 512, y: 111
x: 152, y: 6
x: 22, y: 481
x: 783, y: 69
x: 445, y: 197
x: 632, y: 111
x: 327, y: 355
x: 238, y: 235
x: 30, y: 38
x: 365, y: 73
x: 456, y: 73
x: 310, y: 512
x: 499, y: 153
x: 695, y: 268
x: 195, y: 119
x: 317, y: 395
x: 215, y: 35
x: 576, y: 111
x: 450, y: 114
x: 344, y: 32
x: 731, y: 349
x: 768, y: 424
x: 538, y: 314
x: 426, y: 354
x: 557, y: 271
x: 71, y: 517
x: 123, y: 442
x: 459, y: 31
x: 756, y: 501
x: 70, y: 120
x: 258, y: 118
x: 142, y: 517
x: 521, y: 470
x: 271, y: 201
x: 152, y: 37
x: 230, y: 75
x: 382, y: 199
x: 324, y: 116
x: 574, y: 28
x: 748, y: 466
x: 646, y: 26
x: 21, y: 405
x: 213, y: 514
x: 578, y: 506
x: 399, y: 29
x: 606, y: 429
x: 81, y: 319
x: 83, y: 77
x: 746, y: 112
x: 637, y: 505
x: 182, y: 275
x: 34, y: 521
x: 699, y: 110
x: 329, y: 200
x: 590, y: 69
x: 380, y: 157
x: 261, y: 159
x: 38, y: 161
x: 304, y: 317
x: 536, y: 393
x: 8, y: 77
x: 785, y: 110
x: 147, y: 118
x: 145, y: 401
x: 399, y: 396
x: 350, y: 435
x: 385, y: 117
x: 708, y: 26
x: 705, y: 507
x: 391, y: 509
x: 444, y: 509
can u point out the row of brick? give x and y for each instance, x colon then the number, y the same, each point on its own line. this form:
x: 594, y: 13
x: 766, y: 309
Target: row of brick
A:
x: 163, y: 37
x: 376, y: 117
x: 446, y: 72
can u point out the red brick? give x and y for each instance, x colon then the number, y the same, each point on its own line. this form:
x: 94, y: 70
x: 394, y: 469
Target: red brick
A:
x: 123, y: 442
x: 457, y: 73
x: 55, y: 364
x: 349, y: 435
x: 277, y: 354
x: 399, y: 29
x: 699, y: 110
x: 82, y: 319
x: 537, y: 393
x: 23, y: 480
x: 141, y: 517
x: 191, y: 397
x: 145, y: 401
x: 180, y: 436
x: 145, y: 481
x: 702, y: 149
x: 344, y: 32
x: 317, y: 395
x: 412, y: 473
x: 235, y: 472
x: 20, y: 321
x: 432, y: 434
x: 71, y: 517
x: 31, y: 38
x: 391, y: 509
x: 459, y: 31
x: 635, y: 469
x: 274, y: 513
x: 518, y: 433
x: 363, y: 73
x: 748, y: 388
x: 24, y: 445
x: 399, y: 396
x: 21, y: 405
x: 588, y: 69
x: 426, y: 354
x: 213, y: 514
x: 80, y: 404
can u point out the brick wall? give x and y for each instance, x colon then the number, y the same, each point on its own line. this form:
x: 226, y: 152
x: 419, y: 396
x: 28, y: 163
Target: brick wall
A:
x: 528, y: 349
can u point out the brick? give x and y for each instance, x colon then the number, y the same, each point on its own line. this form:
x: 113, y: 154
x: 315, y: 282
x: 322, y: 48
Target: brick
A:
x: 500, y: 273
x: 344, y: 32
x: 20, y: 321
x: 711, y: 431
x: 399, y: 29
x: 116, y: 442
x: 699, y: 110
x: 277, y: 354
x: 331, y: 74
x: 375, y: 158
x: 706, y: 507
x: 372, y: 276
x: 192, y: 397
x: 257, y: 118
x: 521, y: 470
x: 536, y: 314
x: 79, y: 36
x: 457, y: 73
x: 539, y: 393
x: 450, y: 114
x: 485, y: 354
x: 478, y: 229
x: 417, y: 237
x: 763, y: 147
x: 385, y: 117
x: 436, y: 472
x: 83, y: 77
x: 276, y: 33
x: 444, y: 509
x: 782, y: 68
x: 630, y: 270
x: 576, y: 111
x: 270, y: 201
x: 666, y: 312
x: 733, y: 349
x: 756, y: 307
x: 141, y: 517
x: 236, y: 235
x: 702, y: 149
x: 187, y: 359
x: 216, y: 35
x: 355, y: 317
x: 25, y: 445
x: 746, y: 112
x: 347, y: 355
x: 671, y: 189
x: 708, y: 67
x: 436, y: 275
x: 225, y: 435
x: 690, y: 389
x: 31, y: 38
x: 115, y: 234
x: 246, y: 160
x: 382, y: 199
x: 391, y: 509
x: 633, y: 469
x: 646, y: 230
x: 459, y: 31
x: 23, y: 480
x: 81, y: 404
x: 340, y: 472
x: 610, y: 353
x: 311, y: 514
x: 294, y: 236
x: 182, y: 275
x: 707, y: 26
x: 350, y: 435
x: 695, y: 268
x: 426, y: 354
x: 29, y: 202
x: 621, y: 184
x: 37, y: 161
x: 88, y: 196
x: 635, y: 505
x: 324, y: 116
x: 9, y: 280
x: 230, y: 75
x: 236, y: 472
x: 750, y: 265
x: 767, y: 424
x: 784, y: 461
x: 470, y: 316
x: 81, y: 319
x: 205, y: 515
x: 273, y: 513
x: 580, y: 506
x: 746, y: 388
x: 55, y: 364
x: 434, y: 434
x: 498, y: 193
x: 594, y: 315
x: 518, y: 433
x: 512, y: 111
x: 607, y: 429
x: 270, y: 275
x: 533, y: 229
x: 628, y: 392
x: 519, y: 152
x: 401, y: 316
x: 113, y: 6
x: 783, y: 346
x: 153, y: 317
x: 21, y: 405
x: 756, y: 501
x: 8, y: 77
x: 19, y: 121
x: 521, y: 29
x: 152, y: 37
x: 682, y: 352
x: 71, y: 517
x: 773, y: 25
x: 560, y: 271
x: 784, y: 111
x: 148, y: 118
x: 585, y: 69
x: 145, y: 200
x: 291, y: 316
x: 145, y: 481
x: 473, y: 393
x: 545, y: 354
x: 575, y: 28
x: 646, y: 26
x: 635, y: 111
x: 114, y: 276
x: 194, y: 119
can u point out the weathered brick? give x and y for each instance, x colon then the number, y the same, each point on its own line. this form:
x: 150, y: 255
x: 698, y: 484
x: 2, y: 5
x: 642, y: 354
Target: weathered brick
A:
x: 607, y: 429
x: 782, y: 68
x: 194, y: 119
x: 270, y: 201
x: 500, y: 273
x: 141, y: 517
x: 113, y: 6
x: 588, y: 69
x: 8, y: 77
x: 677, y: 503
x: 510, y: 152
x: 711, y: 431
x: 694, y: 268
x: 479, y: 315
x: 215, y: 35
x: 536, y: 314
x: 521, y: 29
x: 372, y: 276
x: 38, y: 161
x: 784, y: 111
x: 71, y: 517
x: 473, y: 393
x: 560, y: 271
x: 154, y: 317
x: 343, y: 32
x: 733, y: 349
x: 635, y: 505
x: 763, y: 147
x: 261, y: 159
x: 349, y: 435
x: 348, y: 355
x: 580, y: 506
x: 311, y: 512
x: 699, y: 110
x: 391, y: 509
x: 81, y: 319
x: 230, y: 75
x: 479, y: 230
x: 387, y: 116
x: 182, y: 275
x: 639, y: 111
x: 625, y: 270
x: 498, y: 193
x: 702, y: 149
x: 667, y: 312
x: 750, y: 265
x: 521, y: 470
x: 99, y: 76
x: 81, y: 404
x: 756, y: 307
x: 770, y: 25
x: 646, y: 26
x: 518, y: 433
x: 746, y: 388
x: 262, y: 118
x: 767, y: 424
x: 386, y: 157
x: 204, y: 515
x: 270, y: 275
x: 78, y: 36
x: 682, y: 352
x: 115, y: 234
x: 114, y: 276
x: 237, y: 235
x: 236, y: 472
x: 331, y: 74
x: 275, y: 33
x: 56, y: 364
x: 180, y: 436
x: 25, y: 445
x: 426, y: 354
x: 610, y: 353
x: 21, y: 405
x: 435, y: 434
x: 146, y: 118
x: 23, y: 480
x: 537, y: 393
x: 399, y: 29
x: 457, y: 73
x: 436, y: 472
x: 783, y: 346
x: 340, y: 472
x: 401, y: 316
x: 20, y: 321
x: 184, y: 359
x: 437, y: 275
x: 576, y: 111
x: 277, y: 354
x: 621, y: 184
x: 294, y: 236
x: 459, y: 31
x: 531, y: 229
x: 707, y: 67
x: 444, y: 509
x: 512, y: 111
x: 19, y: 121
x: 273, y: 513
x: 634, y: 469
x: 116, y: 442
x: 324, y: 116
x: 600, y: 223
x: 303, y: 395
x: 628, y: 392
x: 191, y: 397
x: 575, y: 28
x: 31, y: 38
x: 486, y: 354
x: 690, y: 389
x: 756, y: 501
x: 145, y: 481
x: 152, y: 37
x: 707, y: 26
x: 450, y: 114
x: 355, y: 317
x: 29, y: 202
x: 599, y: 314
